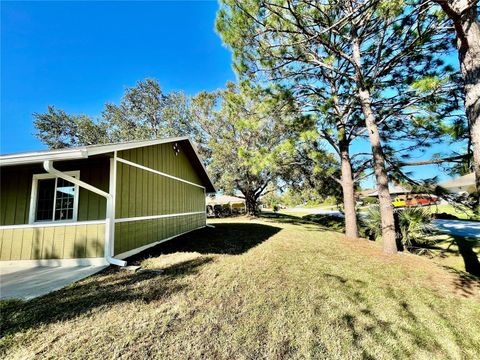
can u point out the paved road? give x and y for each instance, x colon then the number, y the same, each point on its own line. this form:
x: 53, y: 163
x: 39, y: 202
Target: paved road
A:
x: 470, y: 229
x: 315, y: 211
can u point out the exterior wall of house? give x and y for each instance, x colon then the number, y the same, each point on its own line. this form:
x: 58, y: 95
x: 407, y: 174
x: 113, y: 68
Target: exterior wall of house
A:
x: 16, y: 188
x: 67, y: 241
x: 52, y: 241
x: 149, y: 206
x: 173, y: 206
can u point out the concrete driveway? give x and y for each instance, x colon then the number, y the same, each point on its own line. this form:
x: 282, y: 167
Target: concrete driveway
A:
x: 27, y: 282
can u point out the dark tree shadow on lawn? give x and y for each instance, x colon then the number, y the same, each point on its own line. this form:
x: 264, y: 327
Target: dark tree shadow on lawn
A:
x: 466, y: 284
x: 470, y: 258
x: 225, y: 238
x: 321, y: 221
x: 361, y: 321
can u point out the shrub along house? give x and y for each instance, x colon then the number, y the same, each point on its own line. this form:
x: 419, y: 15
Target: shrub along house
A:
x: 99, y: 204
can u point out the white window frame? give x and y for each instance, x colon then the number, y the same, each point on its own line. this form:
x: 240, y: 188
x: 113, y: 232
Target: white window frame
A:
x: 33, y: 198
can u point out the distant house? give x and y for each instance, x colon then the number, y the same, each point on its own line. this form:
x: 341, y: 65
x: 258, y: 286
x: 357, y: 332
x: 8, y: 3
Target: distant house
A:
x: 462, y: 185
x: 227, y: 203
x: 101, y: 203
x: 395, y: 190
x: 363, y: 193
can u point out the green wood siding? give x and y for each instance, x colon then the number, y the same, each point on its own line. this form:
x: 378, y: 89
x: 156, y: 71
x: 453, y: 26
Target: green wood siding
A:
x: 55, y: 242
x: 16, y: 188
x: 134, y: 234
x: 163, y: 158
x: 138, y: 193
x: 143, y: 193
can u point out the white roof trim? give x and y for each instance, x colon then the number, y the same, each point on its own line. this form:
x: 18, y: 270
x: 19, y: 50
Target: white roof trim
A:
x: 465, y: 180
x: 39, y: 157
x: 81, y: 152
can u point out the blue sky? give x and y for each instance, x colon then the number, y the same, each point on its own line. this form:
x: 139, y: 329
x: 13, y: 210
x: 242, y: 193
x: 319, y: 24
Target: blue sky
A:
x: 79, y: 55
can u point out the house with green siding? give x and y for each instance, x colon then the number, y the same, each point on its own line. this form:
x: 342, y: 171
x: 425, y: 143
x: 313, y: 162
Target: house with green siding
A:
x: 99, y: 204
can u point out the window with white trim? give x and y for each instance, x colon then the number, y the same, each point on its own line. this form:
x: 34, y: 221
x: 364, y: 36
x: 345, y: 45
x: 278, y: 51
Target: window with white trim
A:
x: 53, y: 198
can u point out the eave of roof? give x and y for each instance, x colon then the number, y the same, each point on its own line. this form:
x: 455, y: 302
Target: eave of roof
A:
x: 465, y: 180
x: 34, y: 157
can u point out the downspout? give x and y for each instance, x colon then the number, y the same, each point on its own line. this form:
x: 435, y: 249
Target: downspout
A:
x: 108, y: 247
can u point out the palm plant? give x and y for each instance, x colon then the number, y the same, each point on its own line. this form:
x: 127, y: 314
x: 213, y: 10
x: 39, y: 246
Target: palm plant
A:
x: 412, y: 225
x: 372, y: 223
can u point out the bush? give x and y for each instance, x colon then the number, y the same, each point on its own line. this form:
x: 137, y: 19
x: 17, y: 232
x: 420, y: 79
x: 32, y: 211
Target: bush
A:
x: 372, y: 223
x: 276, y: 208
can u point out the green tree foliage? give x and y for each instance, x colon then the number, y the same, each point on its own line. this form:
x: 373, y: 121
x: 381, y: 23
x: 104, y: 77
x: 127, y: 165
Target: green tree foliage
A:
x: 252, y: 141
x: 145, y: 112
x: 57, y: 129
x: 464, y: 16
x: 374, y: 66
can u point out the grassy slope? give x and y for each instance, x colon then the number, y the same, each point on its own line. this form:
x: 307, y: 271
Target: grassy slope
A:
x: 256, y: 289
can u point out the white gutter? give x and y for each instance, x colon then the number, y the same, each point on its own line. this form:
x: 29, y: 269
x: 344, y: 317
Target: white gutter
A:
x: 108, y: 248
x: 37, y: 157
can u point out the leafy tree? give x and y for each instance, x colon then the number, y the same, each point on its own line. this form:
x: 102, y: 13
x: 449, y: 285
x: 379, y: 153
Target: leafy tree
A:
x: 313, y: 174
x: 282, y: 51
x: 251, y: 141
x: 144, y: 113
x: 57, y: 129
x: 375, y: 51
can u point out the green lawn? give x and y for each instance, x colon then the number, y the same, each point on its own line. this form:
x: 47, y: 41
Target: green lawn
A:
x: 275, y: 288
x: 464, y: 214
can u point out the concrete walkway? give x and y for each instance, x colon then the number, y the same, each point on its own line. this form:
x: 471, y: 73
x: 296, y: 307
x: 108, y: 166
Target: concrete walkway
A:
x: 22, y: 282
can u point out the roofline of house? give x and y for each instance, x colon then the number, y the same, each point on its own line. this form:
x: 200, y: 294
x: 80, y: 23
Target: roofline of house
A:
x: 31, y: 157
x: 463, y: 180
x: 84, y: 152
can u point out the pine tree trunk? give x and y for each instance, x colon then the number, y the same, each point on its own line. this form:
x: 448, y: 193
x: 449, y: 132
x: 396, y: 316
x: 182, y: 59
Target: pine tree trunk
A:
x: 351, y: 229
x: 467, y: 27
x: 469, y: 57
x: 384, y: 198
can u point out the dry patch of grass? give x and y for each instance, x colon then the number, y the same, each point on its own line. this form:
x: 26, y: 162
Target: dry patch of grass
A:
x: 252, y: 289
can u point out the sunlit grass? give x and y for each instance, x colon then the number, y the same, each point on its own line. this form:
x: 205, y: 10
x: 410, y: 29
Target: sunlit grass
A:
x: 460, y: 213
x: 252, y: 289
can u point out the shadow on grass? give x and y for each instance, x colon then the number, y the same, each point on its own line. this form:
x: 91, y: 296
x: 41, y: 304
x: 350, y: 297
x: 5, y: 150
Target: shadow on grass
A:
x: 363, y: 322
x: 466, y: 284
x: 114, y: 286
x: 323, y: 222
x: 225, y: 238
x: 465, y: 248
